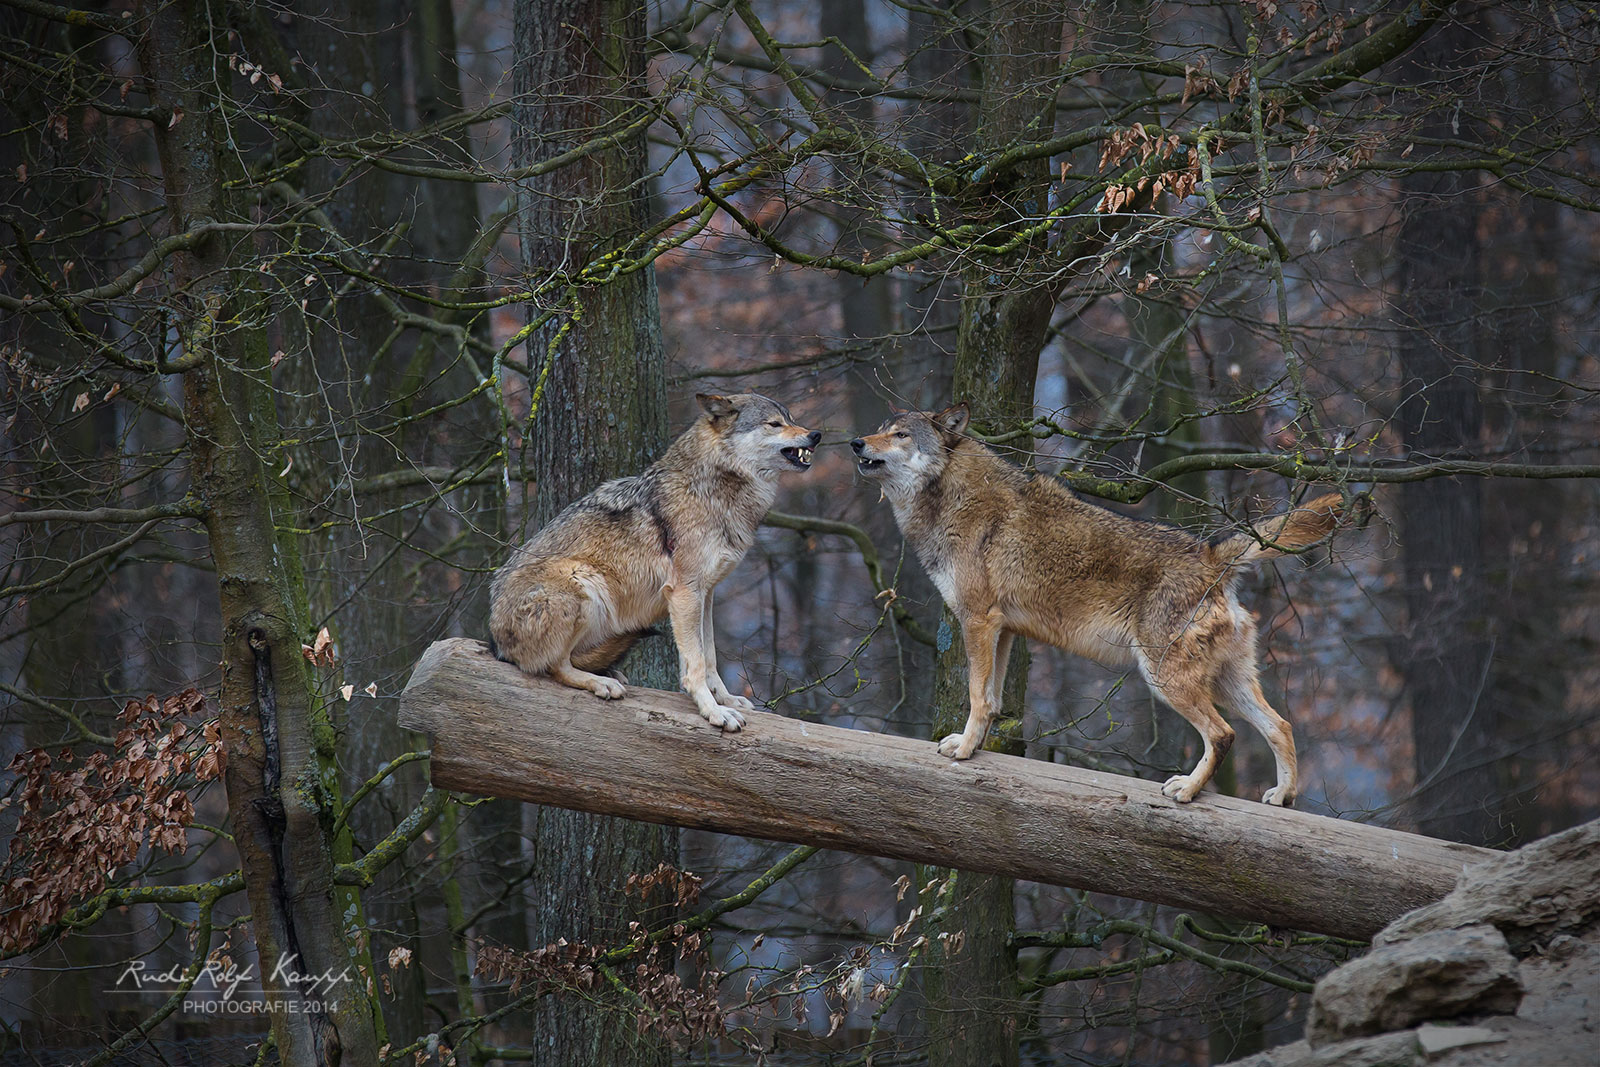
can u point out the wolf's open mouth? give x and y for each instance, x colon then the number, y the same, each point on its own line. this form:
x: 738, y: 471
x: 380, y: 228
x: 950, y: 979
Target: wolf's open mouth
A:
x: 867, y: 463
x: 800, y: 456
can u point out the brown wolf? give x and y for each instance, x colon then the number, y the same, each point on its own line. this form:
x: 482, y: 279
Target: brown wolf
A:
x: 1014, y: 554
x: 583, y: 589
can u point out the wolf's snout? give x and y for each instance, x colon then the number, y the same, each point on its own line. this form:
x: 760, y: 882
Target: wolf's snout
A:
x: 801, y: 455
x: 865, y: 463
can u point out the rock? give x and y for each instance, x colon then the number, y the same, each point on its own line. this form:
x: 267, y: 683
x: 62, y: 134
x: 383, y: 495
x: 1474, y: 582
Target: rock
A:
x: 1542, y: 904
x: 1435, y: 975
x: 1384, y: 1050
x: 1434, y: 1039
x: 1532, y: 895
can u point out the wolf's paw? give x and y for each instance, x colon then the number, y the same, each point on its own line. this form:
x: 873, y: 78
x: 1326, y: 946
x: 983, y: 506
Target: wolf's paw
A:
x: 728, y: 700
x: 1181, y: 787
x: 724, y: 718
x: 622, y: 679
x: 607, y: 688
x: 955, y: 747
x: 1278, y: 796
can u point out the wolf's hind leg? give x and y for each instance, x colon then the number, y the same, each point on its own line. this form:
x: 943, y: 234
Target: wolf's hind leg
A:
x: 1215, y: 735
x: 602, y: 687
x: 604, y: 656
x: 1240, y: 688
x: 1187, y: 691
x: 538, y: 630
x: 602, y: 659
x: 983, y: 638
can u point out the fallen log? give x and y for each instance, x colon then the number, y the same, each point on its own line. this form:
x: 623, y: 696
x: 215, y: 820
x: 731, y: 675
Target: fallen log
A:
x: 497, y: 732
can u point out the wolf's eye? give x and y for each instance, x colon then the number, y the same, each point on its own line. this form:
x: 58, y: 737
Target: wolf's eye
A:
x: 901, y: 433
x: 776, y: 424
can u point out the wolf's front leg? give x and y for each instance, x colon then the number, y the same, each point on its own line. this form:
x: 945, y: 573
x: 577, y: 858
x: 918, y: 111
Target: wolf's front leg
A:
x: 708, y: 646
x: 685, y: 607
x: 983, y: 638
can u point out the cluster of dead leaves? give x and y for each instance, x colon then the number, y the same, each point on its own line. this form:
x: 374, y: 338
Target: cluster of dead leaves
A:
x: 559, y: 965
x: 1199, y: 81
x: 82, y: 820
x: 1179, y: 181
x: 254, y: 72
x: 664, y: 1002
x: 682, y: 1011
x: 1310, y: 12
x: 320, y: 652
x: 683, y: 885
x: 27, y: 375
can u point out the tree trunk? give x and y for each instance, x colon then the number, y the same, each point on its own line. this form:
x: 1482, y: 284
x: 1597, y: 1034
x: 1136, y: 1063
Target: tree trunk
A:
x: 938, y: 129
x: 864, y: 309
x: 970, y: 982
x: 69, y: 652
x: 1528, y: 529
x: 1445, y: 659
x: 600, y: 413
x: 282, y: 780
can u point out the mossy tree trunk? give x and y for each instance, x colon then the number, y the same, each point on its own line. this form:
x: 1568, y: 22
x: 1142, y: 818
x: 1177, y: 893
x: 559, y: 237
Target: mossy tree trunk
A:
x: 349, y: 368
x: 970, y: 972
x: 599, y: 412
x: 281, y: 777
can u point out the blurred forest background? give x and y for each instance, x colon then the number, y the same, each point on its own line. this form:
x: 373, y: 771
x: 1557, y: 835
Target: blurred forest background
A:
x: 307, y: 313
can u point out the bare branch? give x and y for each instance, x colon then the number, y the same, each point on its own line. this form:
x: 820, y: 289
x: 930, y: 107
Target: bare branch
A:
x: 188, y: 508
x: 1134, y: 490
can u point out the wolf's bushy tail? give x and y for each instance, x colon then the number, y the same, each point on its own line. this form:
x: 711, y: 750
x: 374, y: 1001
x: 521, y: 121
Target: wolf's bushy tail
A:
x: 1305, y: 525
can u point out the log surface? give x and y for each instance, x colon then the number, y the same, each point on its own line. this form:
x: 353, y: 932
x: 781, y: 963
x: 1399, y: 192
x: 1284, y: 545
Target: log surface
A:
x: 498, y: 732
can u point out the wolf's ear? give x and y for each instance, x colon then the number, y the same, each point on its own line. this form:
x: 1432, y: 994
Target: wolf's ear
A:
x: 718, y: 407
x: 952, y: 418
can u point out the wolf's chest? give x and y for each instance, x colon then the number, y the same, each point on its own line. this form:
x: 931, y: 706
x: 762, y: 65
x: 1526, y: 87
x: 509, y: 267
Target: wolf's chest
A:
x: 944, y: 579
x: 724, y: 556
x: 717, y: 545
x: 934, y: 550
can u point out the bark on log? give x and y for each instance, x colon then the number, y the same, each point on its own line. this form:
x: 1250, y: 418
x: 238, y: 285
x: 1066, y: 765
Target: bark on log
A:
x: 650, y: 756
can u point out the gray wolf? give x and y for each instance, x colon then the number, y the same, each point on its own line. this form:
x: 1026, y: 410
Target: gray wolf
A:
x: 573, y: 599
x: 1013, y: 554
